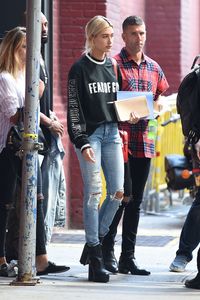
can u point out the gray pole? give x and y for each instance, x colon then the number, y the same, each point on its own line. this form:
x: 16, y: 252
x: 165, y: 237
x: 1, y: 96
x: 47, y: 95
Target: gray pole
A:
x: 28, y: 206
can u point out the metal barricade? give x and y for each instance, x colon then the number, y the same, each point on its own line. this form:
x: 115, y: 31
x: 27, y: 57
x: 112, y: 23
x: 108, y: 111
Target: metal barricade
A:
x: 169, y: 140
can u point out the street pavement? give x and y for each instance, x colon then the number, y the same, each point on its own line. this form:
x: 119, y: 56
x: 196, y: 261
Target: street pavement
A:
x: 157, y: 243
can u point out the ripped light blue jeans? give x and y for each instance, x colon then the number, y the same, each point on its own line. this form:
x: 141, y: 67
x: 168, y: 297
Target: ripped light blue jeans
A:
x: 106, y: 143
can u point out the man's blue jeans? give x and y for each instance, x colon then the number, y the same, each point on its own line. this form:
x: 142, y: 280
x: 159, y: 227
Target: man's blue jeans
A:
x: 53, y: 182
x: 190, y: 234
x: 107, y: 146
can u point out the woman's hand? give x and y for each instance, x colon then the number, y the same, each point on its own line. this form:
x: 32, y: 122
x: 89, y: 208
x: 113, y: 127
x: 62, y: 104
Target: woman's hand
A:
x: 134, y: 118
x: 89, y: 155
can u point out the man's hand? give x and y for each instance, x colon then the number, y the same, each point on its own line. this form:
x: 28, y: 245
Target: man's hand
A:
x: 52, y: 124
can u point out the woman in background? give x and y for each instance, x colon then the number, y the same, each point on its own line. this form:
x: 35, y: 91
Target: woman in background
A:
x: 12, y: 96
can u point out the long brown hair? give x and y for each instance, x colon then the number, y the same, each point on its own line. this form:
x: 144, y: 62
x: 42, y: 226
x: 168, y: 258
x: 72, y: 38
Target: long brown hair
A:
x: 12, y: 41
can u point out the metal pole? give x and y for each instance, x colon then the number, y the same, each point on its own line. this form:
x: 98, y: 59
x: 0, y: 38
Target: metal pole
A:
x: 28, y: 206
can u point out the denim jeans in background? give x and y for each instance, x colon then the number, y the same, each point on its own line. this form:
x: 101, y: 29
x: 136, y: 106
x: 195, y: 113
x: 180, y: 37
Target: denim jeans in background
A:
x: 53, y: 182
x: 107, y: 146
x: 60, y: 217
x: 190, y: 234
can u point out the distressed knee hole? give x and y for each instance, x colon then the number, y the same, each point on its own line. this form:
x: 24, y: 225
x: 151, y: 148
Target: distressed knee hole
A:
x: 94, y: 200
x: 96, y: 194
x: 95, y: 197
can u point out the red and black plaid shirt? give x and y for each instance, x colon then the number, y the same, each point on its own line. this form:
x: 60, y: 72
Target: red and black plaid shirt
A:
x: 149, y: 77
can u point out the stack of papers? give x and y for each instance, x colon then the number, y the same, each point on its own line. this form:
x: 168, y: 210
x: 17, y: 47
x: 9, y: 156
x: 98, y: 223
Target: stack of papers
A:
x: 139, y: 102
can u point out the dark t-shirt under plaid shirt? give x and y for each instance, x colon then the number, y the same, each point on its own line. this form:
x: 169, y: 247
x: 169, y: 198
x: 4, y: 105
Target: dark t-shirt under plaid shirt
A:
x: 149, y: 77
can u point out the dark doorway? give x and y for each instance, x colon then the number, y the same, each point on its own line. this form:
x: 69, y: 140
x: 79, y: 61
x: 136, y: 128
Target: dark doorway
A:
x: 10, y: 14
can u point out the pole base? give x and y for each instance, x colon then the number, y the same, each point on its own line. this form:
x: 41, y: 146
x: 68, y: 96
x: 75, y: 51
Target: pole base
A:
x: 24, y: 281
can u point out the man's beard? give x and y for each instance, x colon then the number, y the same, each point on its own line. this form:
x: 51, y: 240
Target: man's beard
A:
x: 44, y: 39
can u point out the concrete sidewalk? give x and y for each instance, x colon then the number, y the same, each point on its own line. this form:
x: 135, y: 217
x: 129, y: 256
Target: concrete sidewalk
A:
x: 157, y: 243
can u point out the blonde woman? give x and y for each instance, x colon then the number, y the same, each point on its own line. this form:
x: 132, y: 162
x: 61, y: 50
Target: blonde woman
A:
x: 12, y: 88
x: 12, y: 95
x: 92, y: 127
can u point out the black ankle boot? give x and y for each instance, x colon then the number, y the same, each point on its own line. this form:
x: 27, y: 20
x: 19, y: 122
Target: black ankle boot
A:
x: 193, y: 283
x: 84, y: 259
x: 97, y: 272
x: 129, y: 265
x: 110, y: 261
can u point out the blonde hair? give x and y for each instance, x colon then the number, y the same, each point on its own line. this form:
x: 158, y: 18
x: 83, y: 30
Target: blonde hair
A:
x: 96, y: 25
x: 9, y: 47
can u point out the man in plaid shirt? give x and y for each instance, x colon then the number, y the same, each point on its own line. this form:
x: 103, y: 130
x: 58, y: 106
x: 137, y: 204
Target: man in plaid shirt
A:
x: 139, y: 73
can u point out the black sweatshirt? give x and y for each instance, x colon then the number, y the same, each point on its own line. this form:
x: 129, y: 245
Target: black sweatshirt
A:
x: 91, y: 86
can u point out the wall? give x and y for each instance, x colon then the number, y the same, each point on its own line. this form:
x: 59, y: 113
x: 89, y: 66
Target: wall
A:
x: 163, y: 37
x: 190, y: 37
x: 173, y: 36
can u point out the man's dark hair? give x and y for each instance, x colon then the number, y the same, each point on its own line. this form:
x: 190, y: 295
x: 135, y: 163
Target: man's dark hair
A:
x: 132, y: 20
